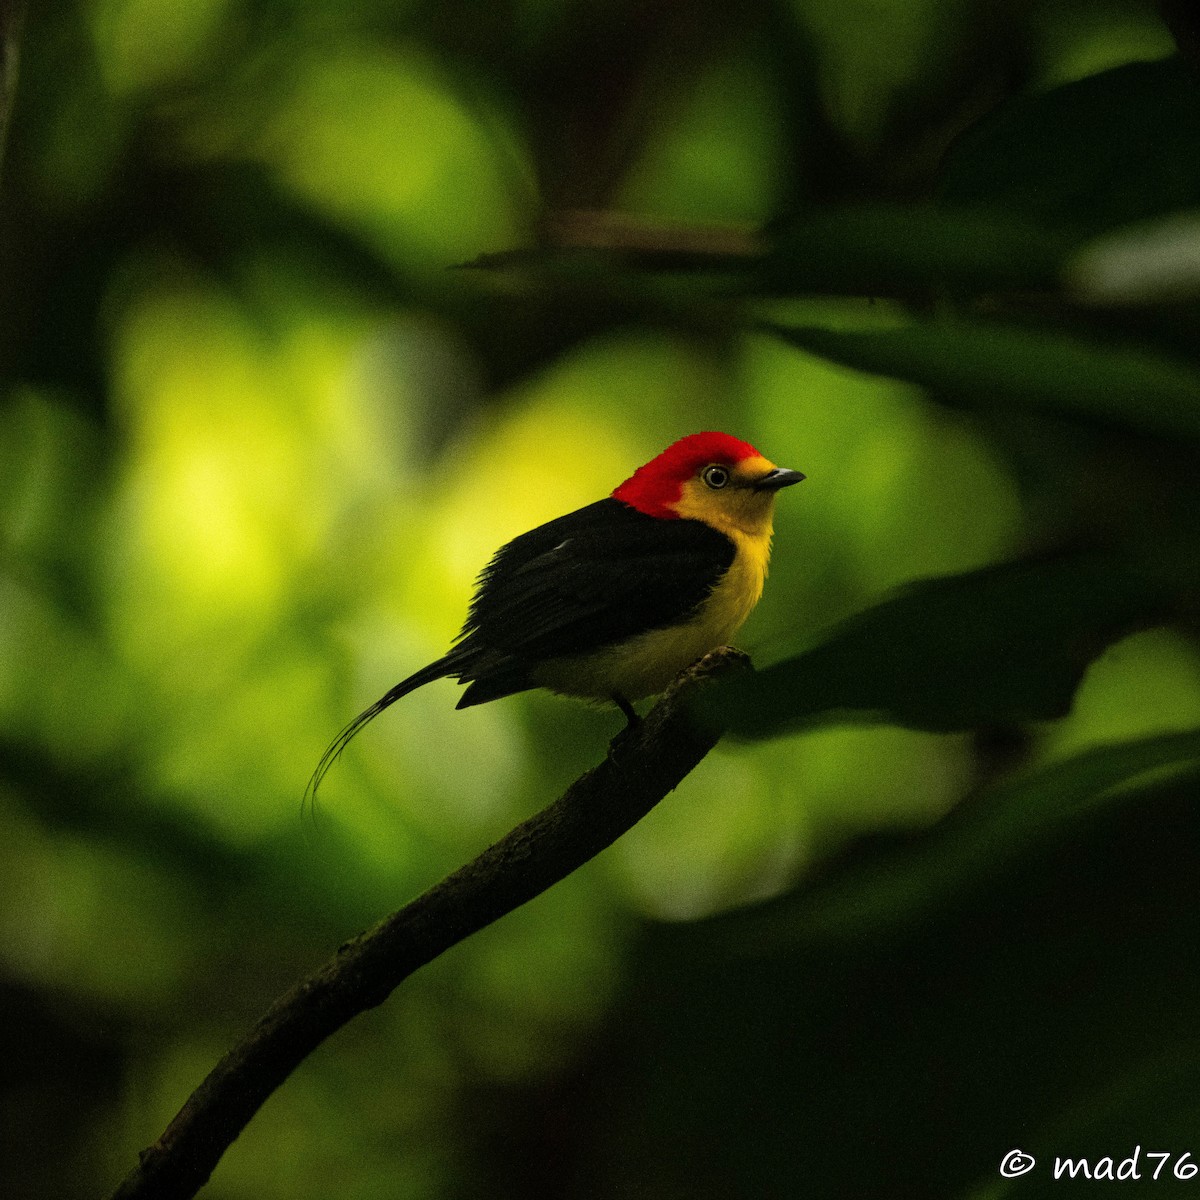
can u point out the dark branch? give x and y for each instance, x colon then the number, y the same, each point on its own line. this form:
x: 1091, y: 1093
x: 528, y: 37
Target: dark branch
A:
x: 644, y: 763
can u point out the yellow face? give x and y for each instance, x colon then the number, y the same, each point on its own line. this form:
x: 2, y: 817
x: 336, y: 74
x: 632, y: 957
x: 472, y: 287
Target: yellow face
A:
x: 737, y: 499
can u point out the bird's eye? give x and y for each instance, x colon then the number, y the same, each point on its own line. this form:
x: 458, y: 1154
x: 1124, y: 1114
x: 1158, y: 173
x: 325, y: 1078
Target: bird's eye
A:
x: 715, y: 476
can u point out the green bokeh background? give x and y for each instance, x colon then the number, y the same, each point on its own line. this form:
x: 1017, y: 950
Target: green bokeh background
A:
x: 257, y: 437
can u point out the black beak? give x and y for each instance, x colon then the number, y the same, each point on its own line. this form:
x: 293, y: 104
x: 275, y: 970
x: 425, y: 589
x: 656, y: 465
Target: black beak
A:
x: 776, y: 479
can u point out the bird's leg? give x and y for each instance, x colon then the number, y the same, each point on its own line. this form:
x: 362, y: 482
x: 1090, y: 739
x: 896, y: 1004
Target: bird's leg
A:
x: 627, y: 708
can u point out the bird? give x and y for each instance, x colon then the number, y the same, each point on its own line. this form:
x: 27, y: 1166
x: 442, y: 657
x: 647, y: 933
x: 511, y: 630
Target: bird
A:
x: 612, y: 601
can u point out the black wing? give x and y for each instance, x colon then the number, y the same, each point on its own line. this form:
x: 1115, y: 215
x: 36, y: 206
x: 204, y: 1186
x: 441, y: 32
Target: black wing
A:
x: 590, y: 579
x: 584, y: 581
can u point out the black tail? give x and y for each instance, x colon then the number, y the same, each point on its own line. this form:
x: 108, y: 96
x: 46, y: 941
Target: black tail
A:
x: 436, y: 670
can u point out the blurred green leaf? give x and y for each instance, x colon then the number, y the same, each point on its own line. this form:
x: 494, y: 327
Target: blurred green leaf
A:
x: 1041, y: 368
x: 1107, y: 150
x: 1005, y: 644
x: 1147, y: 263
x: 893, y: 248
x: 900, y: 884
x: 1023, y: 1012
x: 848, y: 250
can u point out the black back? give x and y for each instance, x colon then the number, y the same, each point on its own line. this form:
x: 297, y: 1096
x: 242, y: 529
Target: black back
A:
x: 590, y: 579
